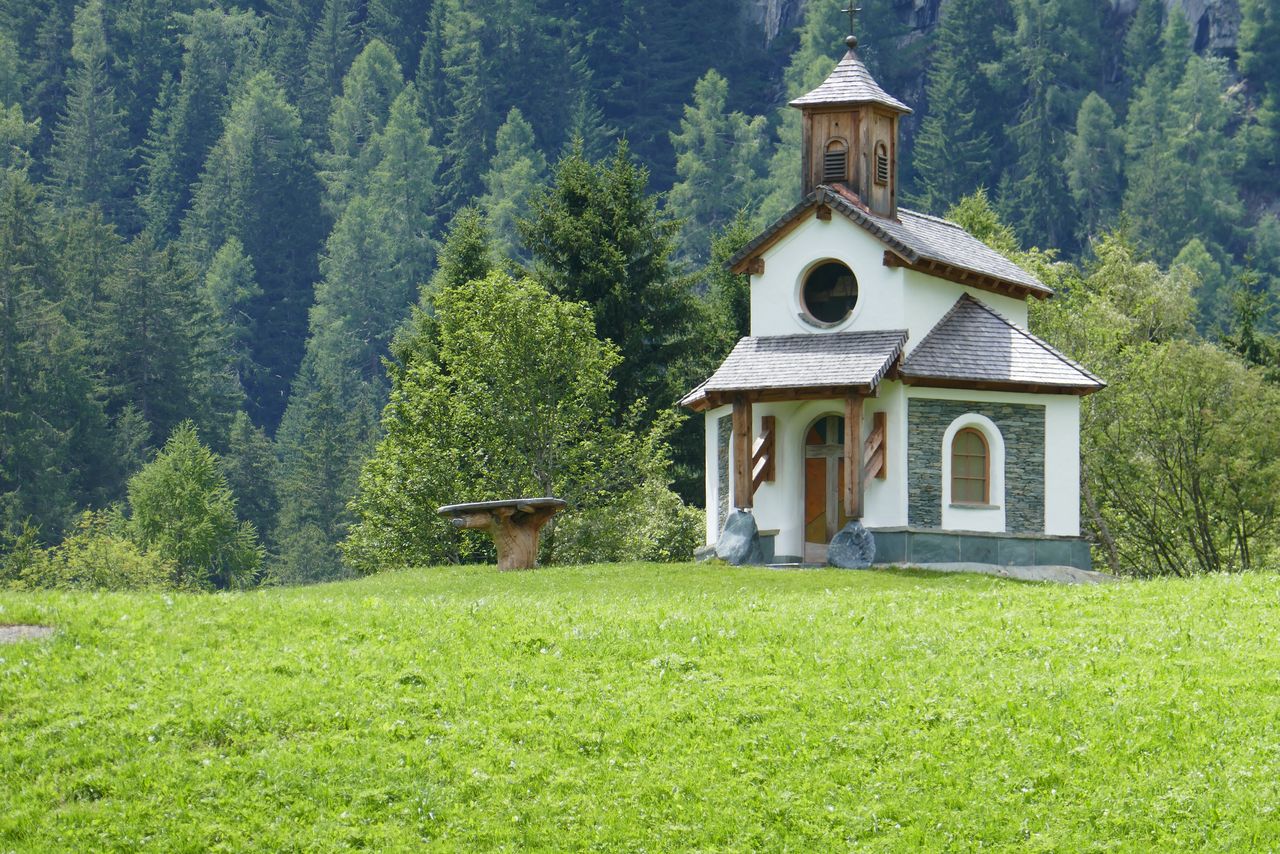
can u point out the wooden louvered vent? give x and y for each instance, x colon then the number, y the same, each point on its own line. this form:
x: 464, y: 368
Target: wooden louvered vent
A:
x: 835, y: 163
x: 882, y: 164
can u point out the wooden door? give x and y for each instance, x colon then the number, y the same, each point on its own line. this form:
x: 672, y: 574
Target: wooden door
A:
x: 823, y: 486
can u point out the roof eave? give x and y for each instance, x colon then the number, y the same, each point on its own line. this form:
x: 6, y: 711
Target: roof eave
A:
x: 974, y: 383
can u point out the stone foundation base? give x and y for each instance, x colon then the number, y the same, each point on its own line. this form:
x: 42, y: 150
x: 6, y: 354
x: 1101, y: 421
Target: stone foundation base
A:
x: 932, y: 546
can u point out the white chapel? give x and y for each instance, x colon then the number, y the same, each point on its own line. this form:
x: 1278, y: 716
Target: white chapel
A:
x: 890, y: 398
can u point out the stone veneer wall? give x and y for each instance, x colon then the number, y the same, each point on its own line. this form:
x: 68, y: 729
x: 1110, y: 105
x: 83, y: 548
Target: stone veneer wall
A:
x: 1021, y: 426
x: 724, y: 431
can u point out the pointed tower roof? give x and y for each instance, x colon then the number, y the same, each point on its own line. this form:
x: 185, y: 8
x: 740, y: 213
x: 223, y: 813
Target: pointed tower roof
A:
x: 850, y: 83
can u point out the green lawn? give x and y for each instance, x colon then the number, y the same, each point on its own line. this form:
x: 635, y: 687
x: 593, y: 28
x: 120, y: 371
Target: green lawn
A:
x: 647, y: 708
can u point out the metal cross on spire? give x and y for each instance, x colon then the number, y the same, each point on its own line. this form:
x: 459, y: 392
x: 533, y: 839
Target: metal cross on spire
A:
x: 852, y: 12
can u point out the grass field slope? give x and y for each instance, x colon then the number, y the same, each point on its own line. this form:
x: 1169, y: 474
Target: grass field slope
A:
x: 651, y: 708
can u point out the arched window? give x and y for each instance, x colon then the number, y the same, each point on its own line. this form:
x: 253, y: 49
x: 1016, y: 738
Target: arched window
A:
x: 829, y: 293
x: 882, y: 164
x: 970, y: 468
x: 835, y: 162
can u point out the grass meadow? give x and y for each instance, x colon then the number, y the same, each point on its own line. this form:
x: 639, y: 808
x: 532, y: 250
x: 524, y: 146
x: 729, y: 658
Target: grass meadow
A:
x: 647, y: 708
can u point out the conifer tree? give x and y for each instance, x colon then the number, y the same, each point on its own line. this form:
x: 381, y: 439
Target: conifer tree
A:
x: 329, y: 54
x: 359, y: 114
x: 230, y: 286
x: 258, y: 186
x: 516, y: 171
x: 1142, y: 41
x: 1094, y: 161
x: 221, y: 51
x: 720, y: 161
x: 153, y: 331
x: 380, y: 251
x: 52, y: 425
x: 597, y: 237
x: 1260, y: 62
x: 249, y: 466
x: 183, y: 511
x: 1051, y: 60
x: 1181, y: 164
x: 90, y: 143
x: 957, y: 148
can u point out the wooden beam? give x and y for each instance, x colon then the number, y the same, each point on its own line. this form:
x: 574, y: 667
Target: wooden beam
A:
x: 755, y: 266
x: 742, y: 491
x: 997, y: 385
x: 778, y: 395
x: 852, y: 457
x: 824, y: 213
x: 874, y: 457
x: 762, y: 467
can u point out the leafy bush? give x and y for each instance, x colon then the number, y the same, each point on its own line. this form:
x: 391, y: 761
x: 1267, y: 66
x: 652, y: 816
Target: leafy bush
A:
x: 18, y: 550
x: 649, y: 523
x: 184, y: 512
x: 97, y: 555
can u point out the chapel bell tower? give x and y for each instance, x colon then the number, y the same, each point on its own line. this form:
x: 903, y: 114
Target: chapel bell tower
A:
x: 851, y: 134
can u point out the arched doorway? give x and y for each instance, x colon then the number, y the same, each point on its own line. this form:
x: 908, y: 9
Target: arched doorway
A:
x: 824, y: 512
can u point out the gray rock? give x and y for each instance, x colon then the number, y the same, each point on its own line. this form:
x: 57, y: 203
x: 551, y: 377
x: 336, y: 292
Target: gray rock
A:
x: 739, y: 542
x: 852, y: 548
x: 703, y: 554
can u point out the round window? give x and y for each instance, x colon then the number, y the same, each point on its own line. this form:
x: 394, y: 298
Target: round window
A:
x: 830, y: 292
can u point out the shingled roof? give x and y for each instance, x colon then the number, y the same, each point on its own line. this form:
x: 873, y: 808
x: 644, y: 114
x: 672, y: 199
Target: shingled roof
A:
x: 850, y: 83
x: 793, y: 363
x: 974, y: 346
x: 932, y: 245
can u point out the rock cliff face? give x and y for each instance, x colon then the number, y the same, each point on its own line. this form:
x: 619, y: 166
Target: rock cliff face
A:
x: 1215, y: 24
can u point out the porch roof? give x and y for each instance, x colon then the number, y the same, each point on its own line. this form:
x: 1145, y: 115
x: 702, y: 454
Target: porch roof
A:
x: 974, y: 346
x: 801, y: 367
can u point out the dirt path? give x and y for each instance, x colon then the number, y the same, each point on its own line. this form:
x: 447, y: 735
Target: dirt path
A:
x: 13, y: 634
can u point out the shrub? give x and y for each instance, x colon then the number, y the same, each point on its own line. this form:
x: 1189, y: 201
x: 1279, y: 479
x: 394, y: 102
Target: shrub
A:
x: 648, y: 523
x: 97, y: 555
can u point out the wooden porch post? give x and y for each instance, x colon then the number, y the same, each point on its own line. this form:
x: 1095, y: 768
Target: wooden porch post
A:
x: 853, y: 456
x: 742, y: 478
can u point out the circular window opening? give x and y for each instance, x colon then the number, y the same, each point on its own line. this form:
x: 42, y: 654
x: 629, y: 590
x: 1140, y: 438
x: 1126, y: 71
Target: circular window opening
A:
x: 830, y: 292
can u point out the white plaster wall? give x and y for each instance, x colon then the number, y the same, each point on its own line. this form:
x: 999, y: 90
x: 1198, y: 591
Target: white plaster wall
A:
x: 712, y: 461
x: 775, y: 295
x: 779, y: 504
x: 888, y: 297
x: 1061, y: 454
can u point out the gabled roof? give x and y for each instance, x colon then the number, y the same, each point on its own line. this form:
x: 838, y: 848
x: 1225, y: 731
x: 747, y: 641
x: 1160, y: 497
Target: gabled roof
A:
x: 917, y: 241
x: 850, y: 83
x: 787, y: 366
x: 975, y: 346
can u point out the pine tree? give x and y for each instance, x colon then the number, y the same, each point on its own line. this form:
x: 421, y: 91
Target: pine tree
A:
x: 183, y: 511
x: 1051, y: 60
x: 380, y: 251
x: 90, y: 143
x: 358, y: 115
x: 398, y: 23
x: 1142, y: 41
x: 249, y: 466
x: 1260, y: 61
x: 230, y: 286
x: 332, y: 48
x: 221, y: 52
x: 52, y: 425
x: 958, y: 146
x: 153, y: 334
x: 517, y: 170
x: 258, y: 186
x: 468, y: 136
x: 720, y: 159
x: 328, y: 431
x: 597, y: 237
x: 1181, y: 162
x: 1095, y: 159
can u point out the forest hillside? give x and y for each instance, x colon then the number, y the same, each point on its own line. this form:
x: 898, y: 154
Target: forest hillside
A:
x: 224, y: 226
